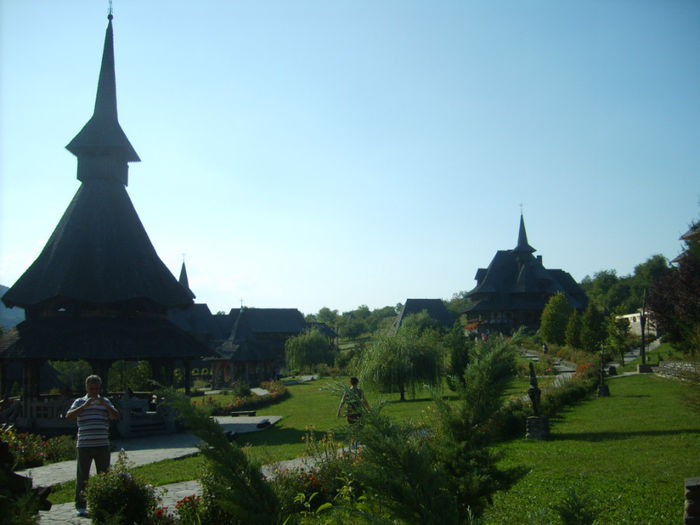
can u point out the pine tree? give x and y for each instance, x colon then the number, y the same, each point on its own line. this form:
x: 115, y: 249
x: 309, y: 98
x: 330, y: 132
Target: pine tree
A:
x: 554, y: 318
x: 573, y: 330
x: 593, y: 333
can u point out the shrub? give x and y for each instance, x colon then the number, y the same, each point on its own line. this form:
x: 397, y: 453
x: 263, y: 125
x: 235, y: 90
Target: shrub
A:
x: 573, y: 391
x: 320, y: 483
x: 233, y: 489
x: 189, y: 510
x: 277, y: 392
x: 60, y: 448
x: 120, y: 497
x: 26, y: 449
x: 241, y: 389
x: 577, y: 508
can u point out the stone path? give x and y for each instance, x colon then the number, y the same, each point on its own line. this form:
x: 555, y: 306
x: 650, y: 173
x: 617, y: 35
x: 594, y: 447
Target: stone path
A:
x: 142, y: 451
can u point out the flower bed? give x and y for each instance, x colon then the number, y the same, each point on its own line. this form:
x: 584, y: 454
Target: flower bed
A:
x: 34, y: 450
x: 276, y: 393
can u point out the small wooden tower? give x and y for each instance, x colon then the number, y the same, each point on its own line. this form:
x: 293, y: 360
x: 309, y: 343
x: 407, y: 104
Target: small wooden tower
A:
x: 98, y: 290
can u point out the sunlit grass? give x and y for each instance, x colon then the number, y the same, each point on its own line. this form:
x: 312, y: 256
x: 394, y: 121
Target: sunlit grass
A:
x: 630, y: 451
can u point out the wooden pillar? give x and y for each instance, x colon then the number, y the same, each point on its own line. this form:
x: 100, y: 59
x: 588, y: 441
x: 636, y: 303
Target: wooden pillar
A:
x: 155, y: 370
x: 169, y: 373
x: 188, y: 376
x: 26, y: 388
x: 36, y: 379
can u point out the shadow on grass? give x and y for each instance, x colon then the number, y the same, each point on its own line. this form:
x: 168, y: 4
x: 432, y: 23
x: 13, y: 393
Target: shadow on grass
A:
x: 615, y: 436
x: 408, y: 401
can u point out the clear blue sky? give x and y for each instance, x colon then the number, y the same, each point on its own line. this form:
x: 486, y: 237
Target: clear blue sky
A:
x: 337, y: 153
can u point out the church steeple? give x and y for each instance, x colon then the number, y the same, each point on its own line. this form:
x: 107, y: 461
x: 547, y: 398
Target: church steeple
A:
x: 102, y: 148
x: 184, y: 281
x: 523, y: 246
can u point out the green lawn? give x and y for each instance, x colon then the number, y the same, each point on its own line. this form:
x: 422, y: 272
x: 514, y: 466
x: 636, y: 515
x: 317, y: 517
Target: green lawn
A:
x: 630, y: 452
x: 664, y: 352
x: 313, y: 404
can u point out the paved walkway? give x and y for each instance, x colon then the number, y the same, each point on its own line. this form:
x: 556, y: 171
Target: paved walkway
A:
x: 142, y: 451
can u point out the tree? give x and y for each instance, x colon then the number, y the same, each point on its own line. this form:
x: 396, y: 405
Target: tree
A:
x: 72, y: 374
x: 420, y: 322
x: 328, y: 316
x: 459, y: 348
x: 573, y: 330
x: 129, y: 374
x: 403, y: 361
x: 674, y: 301
x: 592, y: 329
x: 458, y: 304
x: 554, y: 318
x: 608, y: 291
x: 597, y: 288
x: 618, y: 329
x: 307, y: 349
x: 351, y: 328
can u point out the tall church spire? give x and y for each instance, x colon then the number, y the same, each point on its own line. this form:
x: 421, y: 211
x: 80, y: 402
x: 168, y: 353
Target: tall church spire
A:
x: 102, y: 148
x: 184, y: 281
x: 523, y: 246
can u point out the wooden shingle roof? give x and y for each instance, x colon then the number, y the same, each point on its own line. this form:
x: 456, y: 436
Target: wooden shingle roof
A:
x: 242, y: 345
x: 435, y: 308
x: 99, y: 252
x: 68, y: 337
x: 273, y: 320
x: 516, y: 280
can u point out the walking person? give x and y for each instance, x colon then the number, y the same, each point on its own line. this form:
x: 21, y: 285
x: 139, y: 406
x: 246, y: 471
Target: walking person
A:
x: 93, y: 413
x: 354, y: 401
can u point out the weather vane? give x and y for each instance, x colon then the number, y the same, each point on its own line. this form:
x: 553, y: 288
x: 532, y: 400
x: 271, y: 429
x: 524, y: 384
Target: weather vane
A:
x: 110, y: 9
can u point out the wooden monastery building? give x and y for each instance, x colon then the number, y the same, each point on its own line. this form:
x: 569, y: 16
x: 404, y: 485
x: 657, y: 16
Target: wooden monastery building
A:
x: 98, y: 290
x: 435, y: 308
x: 247, y: 343
x: 515, y: 288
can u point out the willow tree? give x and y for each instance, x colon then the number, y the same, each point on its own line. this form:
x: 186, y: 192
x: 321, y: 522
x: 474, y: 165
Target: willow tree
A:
x: 403, y: 361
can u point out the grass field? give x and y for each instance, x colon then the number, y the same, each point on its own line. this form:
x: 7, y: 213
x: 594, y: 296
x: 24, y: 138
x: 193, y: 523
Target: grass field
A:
x: 313, y: 404
x: 664, y: 352
x: 630, y: 453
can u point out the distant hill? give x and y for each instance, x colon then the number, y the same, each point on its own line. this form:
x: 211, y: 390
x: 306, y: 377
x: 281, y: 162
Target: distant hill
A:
x: 9, y: 317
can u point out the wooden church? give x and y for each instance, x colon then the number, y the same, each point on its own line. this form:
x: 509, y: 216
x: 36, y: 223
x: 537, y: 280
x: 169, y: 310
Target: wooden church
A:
x: 98, y: 290
x: 514, y: 289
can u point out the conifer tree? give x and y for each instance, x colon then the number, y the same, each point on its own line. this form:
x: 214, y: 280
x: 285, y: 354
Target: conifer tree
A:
x: 573, y: 330
x: 554, y: 318
x: 593, y: 333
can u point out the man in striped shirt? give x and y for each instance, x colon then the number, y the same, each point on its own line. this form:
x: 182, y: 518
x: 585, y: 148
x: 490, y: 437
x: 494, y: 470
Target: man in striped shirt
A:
x: 93, y: 412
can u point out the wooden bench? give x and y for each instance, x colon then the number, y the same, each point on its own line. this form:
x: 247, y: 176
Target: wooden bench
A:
x: 243, y: 413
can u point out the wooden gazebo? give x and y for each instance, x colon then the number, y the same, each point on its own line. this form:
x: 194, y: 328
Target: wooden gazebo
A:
x: 98, y: 290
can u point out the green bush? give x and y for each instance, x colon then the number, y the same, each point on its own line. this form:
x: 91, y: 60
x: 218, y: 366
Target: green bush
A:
x: 277, y: 392
x: 26, y: 449
x: 241, y: 389
x: 573, y: 391
x: 233, y: 489
x: 119, y: 497
x: 320, y: 483
x: 190, y: 510
x: 60, y: 448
